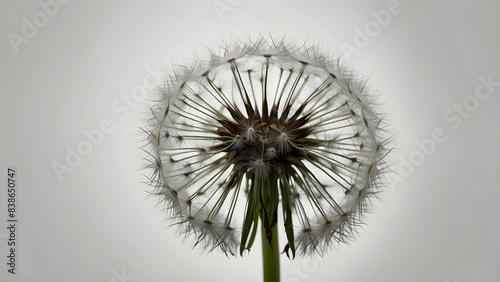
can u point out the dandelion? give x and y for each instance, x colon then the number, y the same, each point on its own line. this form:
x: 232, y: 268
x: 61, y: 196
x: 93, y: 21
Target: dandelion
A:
x: 266, y: 134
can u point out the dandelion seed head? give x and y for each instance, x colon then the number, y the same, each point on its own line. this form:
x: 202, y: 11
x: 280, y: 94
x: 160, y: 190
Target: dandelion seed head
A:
x: 266, y: 118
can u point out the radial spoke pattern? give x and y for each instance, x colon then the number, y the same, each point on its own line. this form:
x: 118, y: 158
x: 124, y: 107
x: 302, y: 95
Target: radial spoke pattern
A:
x: 266, y: 122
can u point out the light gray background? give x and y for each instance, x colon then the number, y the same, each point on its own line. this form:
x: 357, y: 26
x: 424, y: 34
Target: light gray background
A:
x: 440, y: 224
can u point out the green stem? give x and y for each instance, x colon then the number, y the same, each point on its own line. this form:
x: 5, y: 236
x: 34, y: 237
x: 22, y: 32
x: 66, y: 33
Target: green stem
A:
x: 270, y: 256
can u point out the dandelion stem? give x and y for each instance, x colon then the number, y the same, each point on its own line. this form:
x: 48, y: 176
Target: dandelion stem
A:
x: 270, y: 255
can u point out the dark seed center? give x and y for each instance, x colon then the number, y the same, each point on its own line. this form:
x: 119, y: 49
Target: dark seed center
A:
x: 274, y: 142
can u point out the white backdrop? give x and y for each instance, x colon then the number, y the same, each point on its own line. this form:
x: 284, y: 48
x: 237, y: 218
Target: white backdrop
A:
x: 72, y: 69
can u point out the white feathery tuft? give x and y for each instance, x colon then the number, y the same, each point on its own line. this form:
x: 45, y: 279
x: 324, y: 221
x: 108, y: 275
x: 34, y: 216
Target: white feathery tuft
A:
x: 257, y: 112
